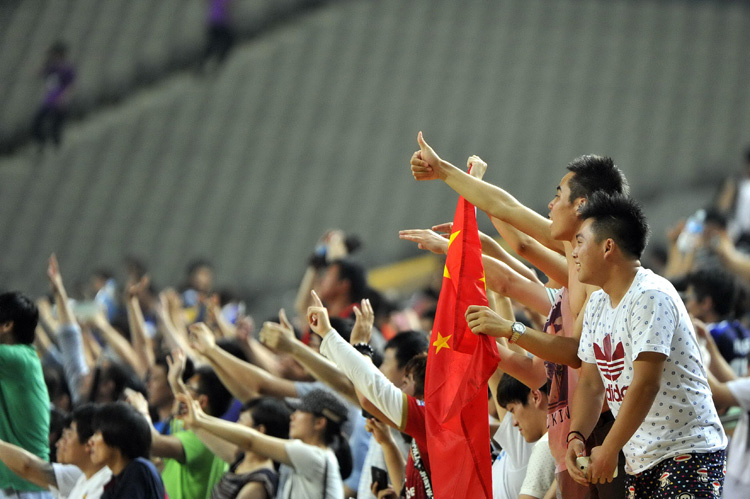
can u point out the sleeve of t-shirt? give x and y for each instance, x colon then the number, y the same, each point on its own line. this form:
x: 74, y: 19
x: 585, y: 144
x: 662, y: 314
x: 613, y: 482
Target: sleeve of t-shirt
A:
x: 365, y: 376
x: 14, y: 360
x: 66, y: 476
x: 74, y: 362
x: 306, y: 460
x: 652, y: 322
x: 541, y: 471
x: 740, y: 388
x: 414, y: 424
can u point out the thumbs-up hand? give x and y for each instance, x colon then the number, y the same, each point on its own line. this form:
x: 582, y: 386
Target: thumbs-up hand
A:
x: 425, y: 163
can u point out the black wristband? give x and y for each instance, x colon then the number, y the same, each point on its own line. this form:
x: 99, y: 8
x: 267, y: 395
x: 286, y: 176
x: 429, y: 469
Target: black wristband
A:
x: 574, y: 433
x: 364, y: 349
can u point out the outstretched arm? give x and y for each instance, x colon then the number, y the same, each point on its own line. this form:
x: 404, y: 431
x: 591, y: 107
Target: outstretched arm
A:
x: 161, y: 445
x: 280, y: 337
x: 27, y: 466
x: 427, y: 165
x: 245, y: 437
x: 141, y: 342
x: 242, y: 379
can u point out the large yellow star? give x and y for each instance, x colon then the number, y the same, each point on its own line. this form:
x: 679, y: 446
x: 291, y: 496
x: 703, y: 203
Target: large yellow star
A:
x: 450, y: 241
x: 442, y: 342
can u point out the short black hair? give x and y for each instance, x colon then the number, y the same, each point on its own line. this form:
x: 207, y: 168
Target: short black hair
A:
x: 210, y: 385
x: 83, y: 416
x: 408, y: 344
x: 22, y: 312
x: 124, y: 428
x: 343, y: 327
x: 619, y: 217
x: 272, y: 413
x: 510, y: 390
x: 354, y: 273
x: 417, y: 367
x: 594, y: 173
x: 717, y: 284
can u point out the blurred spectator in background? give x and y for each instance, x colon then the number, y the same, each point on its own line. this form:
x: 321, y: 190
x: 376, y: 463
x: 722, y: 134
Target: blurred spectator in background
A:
x: 219, y: 34
x: 59, y: 75
x: 734, y: 201
x: 711, y: 298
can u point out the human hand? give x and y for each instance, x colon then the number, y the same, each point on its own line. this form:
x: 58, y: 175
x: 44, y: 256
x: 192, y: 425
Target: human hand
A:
x: 482, y: 319
x: 53, y: 272
x: 379, y: 431
x: 426, y: 240
x: 425, y: 163
x: 476, y: 167
x: 137, y: 401
x: 365, y: 319
x: 317, y: 317
x: 335, y: 246
x: 576, y: 449
x: 201, y: 338
x: 175, y: 369
x: 135, y: 290
x: 278, y: 337
x: 190, y: 411
x: 386, y: 493
x: 602, y: 465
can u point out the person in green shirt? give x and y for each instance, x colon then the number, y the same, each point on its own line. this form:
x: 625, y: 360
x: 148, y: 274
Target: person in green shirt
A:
x: 24, y: 401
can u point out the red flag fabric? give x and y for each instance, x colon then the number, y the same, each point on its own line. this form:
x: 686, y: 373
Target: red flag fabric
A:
x: 459, y: 364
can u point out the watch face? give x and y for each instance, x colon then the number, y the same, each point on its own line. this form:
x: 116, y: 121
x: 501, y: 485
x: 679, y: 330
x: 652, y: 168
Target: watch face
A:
x: 519, y: 328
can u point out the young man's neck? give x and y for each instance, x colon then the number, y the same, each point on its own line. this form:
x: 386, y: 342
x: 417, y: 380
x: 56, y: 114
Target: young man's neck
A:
x: 90, y: 469
x: 118, y: 464
x: 620, y: 279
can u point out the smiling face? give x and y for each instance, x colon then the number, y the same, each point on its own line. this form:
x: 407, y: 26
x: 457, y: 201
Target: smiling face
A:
x: 563, y: 213
x: 589, y: 255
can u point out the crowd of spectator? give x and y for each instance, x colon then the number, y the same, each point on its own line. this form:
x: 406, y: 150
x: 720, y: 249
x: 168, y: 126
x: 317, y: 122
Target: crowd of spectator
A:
x: 135, y: 391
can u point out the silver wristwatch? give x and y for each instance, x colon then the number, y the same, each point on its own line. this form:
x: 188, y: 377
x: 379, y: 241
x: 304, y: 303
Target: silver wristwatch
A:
x: 518, y: 329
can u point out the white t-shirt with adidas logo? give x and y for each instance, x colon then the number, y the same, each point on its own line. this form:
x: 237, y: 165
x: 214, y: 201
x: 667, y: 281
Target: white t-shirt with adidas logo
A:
x: 652, y: 318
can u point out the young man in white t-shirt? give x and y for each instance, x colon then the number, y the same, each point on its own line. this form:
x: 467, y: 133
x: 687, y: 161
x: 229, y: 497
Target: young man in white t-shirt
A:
x: 639, y: 350
x: 528, y: 409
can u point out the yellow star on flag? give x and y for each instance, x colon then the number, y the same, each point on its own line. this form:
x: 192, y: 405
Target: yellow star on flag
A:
x: 450, y: 241
x: 442, y: 342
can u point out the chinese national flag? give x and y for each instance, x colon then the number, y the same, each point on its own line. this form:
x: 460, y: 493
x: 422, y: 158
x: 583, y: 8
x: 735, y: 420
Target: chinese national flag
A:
x: 459, y: 364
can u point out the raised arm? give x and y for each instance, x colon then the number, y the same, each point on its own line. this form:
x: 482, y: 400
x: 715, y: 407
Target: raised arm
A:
x: 501, y: 277
x: 551, y: 262
x: 280, y: 337
x: 245, y: 437
x: 557, y: 349
x: 27, y: 466
x: 242, y: 379
x: 427, y: 165
x: 141, y: 342
x: 69, y: 336
x: 167, y: 446
x: 367, y: 379
x: 116, y: 341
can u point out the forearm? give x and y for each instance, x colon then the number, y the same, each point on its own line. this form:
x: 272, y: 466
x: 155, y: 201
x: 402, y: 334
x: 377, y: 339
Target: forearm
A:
x: 365, y: 376
x: 529, y: 371
x: 141, y: 342
x: 505, y: 281
x: 324, y: 370
x: 493, y: 249
x: 737, y: 262
x: 557, y: 349
x: 718, y: 366
x: 395, y: 464
x: 121, y: 347
x: 499, y: 204
x: 551, y: 261
x: 73, y: 359
x: 255, y: 379
x: 225, y: 450
x: 587, y: 401
x: 64, y: 310
x: 26, y: 465
x: 635, y: 406
x: 241, y: 382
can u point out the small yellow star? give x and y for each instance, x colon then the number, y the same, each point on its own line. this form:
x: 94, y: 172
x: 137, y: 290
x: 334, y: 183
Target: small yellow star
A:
x: 441, y: 342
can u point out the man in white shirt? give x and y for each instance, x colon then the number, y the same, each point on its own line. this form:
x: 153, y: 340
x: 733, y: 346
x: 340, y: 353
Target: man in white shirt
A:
x: 638, y: 348
x: 529, y: 411
x: 75, y: 476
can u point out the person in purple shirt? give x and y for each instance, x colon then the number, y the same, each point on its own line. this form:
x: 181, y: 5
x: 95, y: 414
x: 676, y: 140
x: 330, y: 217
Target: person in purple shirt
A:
x: 220, y: 35
x: 59, y: 75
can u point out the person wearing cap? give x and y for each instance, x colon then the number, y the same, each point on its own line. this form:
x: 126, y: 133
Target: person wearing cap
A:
x: 314, y: 458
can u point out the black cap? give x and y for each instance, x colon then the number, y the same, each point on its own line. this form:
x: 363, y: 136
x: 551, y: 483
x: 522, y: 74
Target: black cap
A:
x: 321, y: 403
